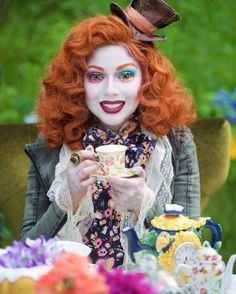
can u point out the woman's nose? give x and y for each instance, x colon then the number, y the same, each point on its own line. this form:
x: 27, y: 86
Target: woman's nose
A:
x: 111, y: 89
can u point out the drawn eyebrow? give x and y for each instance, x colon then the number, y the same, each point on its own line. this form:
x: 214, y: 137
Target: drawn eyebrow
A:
x: 125, y: 65
x: 97, y: 67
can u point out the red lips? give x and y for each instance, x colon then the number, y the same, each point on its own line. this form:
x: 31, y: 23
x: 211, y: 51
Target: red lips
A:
x: 112, y: 106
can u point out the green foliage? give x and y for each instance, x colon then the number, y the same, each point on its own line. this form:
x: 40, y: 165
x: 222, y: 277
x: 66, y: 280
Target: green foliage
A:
x: 6, y: 235
x: 201, y: 47
x: 30, y: 35
x: 149, y: 238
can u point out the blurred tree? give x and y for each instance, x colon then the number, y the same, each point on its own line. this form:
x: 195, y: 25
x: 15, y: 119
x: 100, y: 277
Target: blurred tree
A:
x: 201, y: 47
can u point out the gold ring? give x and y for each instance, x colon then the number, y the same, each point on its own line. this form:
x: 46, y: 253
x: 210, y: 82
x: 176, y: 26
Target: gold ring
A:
x: 75, y: 158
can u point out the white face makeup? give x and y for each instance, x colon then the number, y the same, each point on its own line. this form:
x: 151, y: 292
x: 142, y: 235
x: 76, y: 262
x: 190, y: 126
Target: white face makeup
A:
x: 111, y: 85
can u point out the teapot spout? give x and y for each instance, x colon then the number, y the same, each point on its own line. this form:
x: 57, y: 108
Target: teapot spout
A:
x: 134, y: 242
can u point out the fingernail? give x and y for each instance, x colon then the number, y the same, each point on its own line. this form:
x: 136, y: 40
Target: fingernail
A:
x: 96, y: 156
x: 89, y: 148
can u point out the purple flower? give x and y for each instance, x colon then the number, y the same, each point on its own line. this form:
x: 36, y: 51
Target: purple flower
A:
x: 31, y: 253
x: 120, y: 281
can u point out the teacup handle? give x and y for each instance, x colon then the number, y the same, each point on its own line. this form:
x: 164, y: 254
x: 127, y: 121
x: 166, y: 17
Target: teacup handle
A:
x: 216, y: 232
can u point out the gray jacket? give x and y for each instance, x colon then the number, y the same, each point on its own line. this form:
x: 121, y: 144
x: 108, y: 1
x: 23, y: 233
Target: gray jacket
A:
x: 44, y: 217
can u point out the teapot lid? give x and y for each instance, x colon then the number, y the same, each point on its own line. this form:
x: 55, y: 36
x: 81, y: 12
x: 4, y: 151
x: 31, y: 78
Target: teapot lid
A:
x: 174, y: 220
x: 207, y: 254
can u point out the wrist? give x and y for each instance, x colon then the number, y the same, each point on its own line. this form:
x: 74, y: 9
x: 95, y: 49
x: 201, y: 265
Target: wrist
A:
x: 75, y: 205
x: 75, y: 202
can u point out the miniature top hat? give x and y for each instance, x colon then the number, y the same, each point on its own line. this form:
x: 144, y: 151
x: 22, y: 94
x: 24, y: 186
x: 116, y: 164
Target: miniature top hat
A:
x: 145, y: 16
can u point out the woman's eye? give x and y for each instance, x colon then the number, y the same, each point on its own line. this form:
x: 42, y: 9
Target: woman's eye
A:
x: 95, y: 77
x: 126, y: 75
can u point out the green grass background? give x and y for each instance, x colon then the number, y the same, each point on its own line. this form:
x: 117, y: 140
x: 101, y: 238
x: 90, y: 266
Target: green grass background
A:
x: 201, y: 46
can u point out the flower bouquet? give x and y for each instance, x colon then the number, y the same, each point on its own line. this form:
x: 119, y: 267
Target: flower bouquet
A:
x: 44, y: 267
x: 71, y: 273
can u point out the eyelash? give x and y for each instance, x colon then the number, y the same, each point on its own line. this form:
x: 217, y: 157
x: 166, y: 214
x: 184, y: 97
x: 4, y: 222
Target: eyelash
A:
x: 91, y: 76
x: 130, y: 74
x: 120, y: 75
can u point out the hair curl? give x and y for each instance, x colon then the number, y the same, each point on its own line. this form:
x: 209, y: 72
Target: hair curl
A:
x: 64, y: 115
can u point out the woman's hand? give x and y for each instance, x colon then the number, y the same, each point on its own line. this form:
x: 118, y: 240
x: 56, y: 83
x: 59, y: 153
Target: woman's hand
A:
x: 78, y: 176
x: 129, y: 192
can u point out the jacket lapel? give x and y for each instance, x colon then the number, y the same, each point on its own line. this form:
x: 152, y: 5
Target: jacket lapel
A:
x: 44, y: 159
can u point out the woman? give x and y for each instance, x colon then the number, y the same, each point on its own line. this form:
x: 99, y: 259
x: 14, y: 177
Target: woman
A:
x: 109, y: 85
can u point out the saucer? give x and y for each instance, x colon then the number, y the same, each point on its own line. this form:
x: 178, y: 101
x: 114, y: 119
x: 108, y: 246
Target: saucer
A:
x: 122, y: 173
x: 75, y: 247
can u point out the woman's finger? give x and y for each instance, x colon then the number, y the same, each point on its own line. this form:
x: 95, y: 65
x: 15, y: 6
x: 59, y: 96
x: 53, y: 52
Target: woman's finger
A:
x: 81, y: 156
x: 86, y: 183
x: 86, y: 154
x: 139, y: 171
x: 122, y: 184
x: 117, y: 182
x: 77, y: 168
x: 88, y: 171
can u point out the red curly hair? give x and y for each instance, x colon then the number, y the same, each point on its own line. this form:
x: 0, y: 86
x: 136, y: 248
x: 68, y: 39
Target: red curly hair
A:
x: 164, y: 103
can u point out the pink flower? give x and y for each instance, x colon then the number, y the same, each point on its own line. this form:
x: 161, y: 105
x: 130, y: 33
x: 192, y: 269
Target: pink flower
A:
x: 120, y: 281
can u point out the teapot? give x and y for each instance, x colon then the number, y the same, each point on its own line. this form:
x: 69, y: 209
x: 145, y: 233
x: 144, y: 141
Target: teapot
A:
x: 175, y: 237
x: 205, y: 271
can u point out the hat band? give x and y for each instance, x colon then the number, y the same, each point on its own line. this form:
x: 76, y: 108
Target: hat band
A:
x: 140, y: 22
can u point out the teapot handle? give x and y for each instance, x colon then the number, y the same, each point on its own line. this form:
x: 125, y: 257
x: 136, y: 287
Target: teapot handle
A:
x: 216, y: 232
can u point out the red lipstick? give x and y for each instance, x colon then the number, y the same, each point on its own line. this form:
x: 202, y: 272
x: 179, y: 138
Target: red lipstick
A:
x: 112, y: 106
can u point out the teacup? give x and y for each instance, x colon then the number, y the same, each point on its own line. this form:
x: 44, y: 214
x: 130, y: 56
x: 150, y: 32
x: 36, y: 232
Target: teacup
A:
x: 112, y: 158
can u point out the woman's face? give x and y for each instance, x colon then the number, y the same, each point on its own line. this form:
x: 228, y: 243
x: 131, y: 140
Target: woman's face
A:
x: 112, y: 83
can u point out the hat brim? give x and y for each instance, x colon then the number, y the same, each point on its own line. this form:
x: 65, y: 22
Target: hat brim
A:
x: 117, y: 11
x: 142, y: 37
